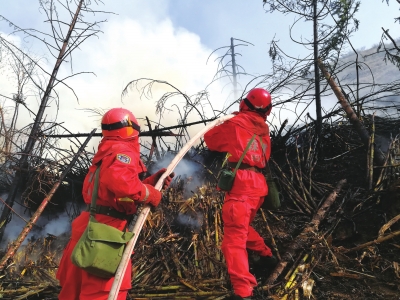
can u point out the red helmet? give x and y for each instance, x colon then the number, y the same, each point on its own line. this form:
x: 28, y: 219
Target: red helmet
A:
x: 119, y: 122
x: 258, y: 100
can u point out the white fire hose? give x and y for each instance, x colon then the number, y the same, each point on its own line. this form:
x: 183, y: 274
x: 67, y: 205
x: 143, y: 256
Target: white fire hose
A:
x: 145, y: 211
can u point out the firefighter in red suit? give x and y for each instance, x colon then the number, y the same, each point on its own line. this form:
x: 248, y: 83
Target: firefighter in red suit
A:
x: 249, y: 188
x: 120, y: 191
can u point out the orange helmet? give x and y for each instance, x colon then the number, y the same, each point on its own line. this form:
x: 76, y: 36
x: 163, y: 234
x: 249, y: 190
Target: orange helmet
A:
x: 119, y: 122
x: 258, y: 100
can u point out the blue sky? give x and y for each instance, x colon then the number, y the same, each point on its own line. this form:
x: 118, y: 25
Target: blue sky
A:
x: 216, y: 21
x: 171, y: 40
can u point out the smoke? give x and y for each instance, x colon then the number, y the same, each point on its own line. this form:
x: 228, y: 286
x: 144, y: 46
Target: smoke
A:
x: 188, y: 173
x: 128, y: 49
x: 45, y: 225
x: 56, y: 225
x: 188, y: 221
x: 144, y: 47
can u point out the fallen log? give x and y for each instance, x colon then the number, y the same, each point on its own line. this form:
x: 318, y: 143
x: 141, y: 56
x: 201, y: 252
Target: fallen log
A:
x: 374, y: 242
x: 343, y: 274
x: 15, y: 245
x: 64, y: 50
x: 154, y: 132
x: 303, y: 237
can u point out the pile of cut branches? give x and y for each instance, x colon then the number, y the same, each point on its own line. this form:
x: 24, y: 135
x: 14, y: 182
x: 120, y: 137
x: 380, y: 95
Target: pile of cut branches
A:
x: 336, y: 234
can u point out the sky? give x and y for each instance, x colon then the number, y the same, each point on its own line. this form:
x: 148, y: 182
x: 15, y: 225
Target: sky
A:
x: 169, y: 40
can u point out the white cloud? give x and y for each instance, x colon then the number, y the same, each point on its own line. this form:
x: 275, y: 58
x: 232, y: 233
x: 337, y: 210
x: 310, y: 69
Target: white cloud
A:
x: 127, y: 51
x: 130, y: 49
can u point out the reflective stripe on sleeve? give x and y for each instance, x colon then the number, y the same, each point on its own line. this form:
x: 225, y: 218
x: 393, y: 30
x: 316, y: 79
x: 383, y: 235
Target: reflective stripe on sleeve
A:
x: 125, y: 199
x: 147, y: 193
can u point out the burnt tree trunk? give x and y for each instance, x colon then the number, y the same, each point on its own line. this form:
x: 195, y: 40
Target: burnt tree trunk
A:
x: 354, y: 120
x: 23, y: 161
x: 15, y: 245
x: 316, y: 71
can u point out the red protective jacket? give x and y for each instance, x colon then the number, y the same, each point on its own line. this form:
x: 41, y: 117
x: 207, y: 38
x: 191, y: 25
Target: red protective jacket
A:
x: 246, y: 196
x: 233, y: 136
x: 120, y: 188
x: 119, y: 183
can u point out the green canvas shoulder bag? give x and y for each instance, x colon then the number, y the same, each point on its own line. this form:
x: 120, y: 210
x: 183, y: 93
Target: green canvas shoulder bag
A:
x: 226, y: 176
x: 100, y: 248
x: 272, y: 200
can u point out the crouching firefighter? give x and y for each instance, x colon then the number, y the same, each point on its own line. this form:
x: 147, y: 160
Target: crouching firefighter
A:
x: 119, y: 192
x: 246, y: 139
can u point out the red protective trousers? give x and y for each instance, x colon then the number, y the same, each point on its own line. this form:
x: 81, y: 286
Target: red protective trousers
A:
x: 238, y: 212
x: 247, y: 194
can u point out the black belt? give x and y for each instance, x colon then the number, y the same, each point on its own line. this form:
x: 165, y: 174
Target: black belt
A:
x: 244, y: 166
x: 109, y: 211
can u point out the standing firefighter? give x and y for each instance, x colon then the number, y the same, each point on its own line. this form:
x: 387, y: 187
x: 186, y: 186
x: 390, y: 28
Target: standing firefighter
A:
x: 245, y: 130
x: 119, y: 192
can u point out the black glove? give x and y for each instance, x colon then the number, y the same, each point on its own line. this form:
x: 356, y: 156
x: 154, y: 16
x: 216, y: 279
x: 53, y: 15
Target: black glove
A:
x: 269, y: 262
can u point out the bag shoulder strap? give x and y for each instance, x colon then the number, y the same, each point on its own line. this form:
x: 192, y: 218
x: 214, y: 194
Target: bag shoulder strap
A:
x: 94, y: 193
x: 243, y: 154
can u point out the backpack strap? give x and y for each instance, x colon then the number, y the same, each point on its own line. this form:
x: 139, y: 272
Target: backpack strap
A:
x: 94, y: 193
x: 244, y: 152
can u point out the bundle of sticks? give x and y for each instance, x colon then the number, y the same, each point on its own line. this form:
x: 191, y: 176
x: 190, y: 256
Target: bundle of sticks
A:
x: 178, y: 254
